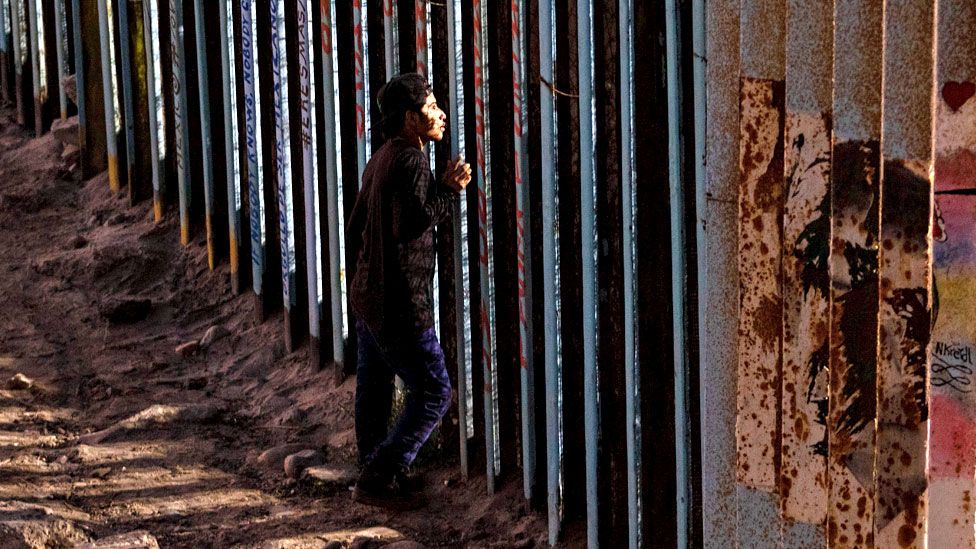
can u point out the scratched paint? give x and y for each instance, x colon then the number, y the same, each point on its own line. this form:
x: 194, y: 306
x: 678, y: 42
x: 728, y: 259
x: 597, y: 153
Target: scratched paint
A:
x: 952, y: 429
x: 38, y: 62
x: 19, y: 38
x: 855, y: 199
x: 760, y: 300
x: 283, y: 174
x: 806, y: 293
x: 254, y: 141
x: 231, y: 137
x: 157, y: 119
x: 310, y: 171
x: 360, y: 78
x: 420, y: 35
x: 180, y: 112
x: 485, y: 254
x: 904, y: 316
x: 806, y: 268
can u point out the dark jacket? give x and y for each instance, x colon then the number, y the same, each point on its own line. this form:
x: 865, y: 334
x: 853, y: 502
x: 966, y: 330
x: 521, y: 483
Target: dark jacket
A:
x: 391, y: 232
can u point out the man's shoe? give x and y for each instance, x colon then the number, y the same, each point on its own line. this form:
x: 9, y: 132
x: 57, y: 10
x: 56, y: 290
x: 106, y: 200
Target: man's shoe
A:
x: 387, y: 491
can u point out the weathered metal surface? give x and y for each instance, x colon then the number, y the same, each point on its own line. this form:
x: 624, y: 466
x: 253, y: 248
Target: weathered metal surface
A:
x: 334, y: 222
x: 359, y: 56
x: 904, y: 316
x: 485, y: 253
x: 206, y: 132
x: 254, y: 142
x: 113, y: 119
x: 283, y: 171
x: 855, y: 199
x: 310, y: 171
x: 806, y: 251
x: 38, y: 61
x: 420, y: 35
x: 5, y: 83
x: 232, y: 185
x: 61, y: 39
x: 20, y: 51
x: 718, y: 371
x: 761, y: 123
x: 952, y: 404
x: 180, y: 114
x: 157, y: 117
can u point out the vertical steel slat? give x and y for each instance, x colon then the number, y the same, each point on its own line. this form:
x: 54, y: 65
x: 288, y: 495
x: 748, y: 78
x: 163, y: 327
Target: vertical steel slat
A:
x: 806, y: 277
x: 588, y: 230
x: 283, y: 167
x: 904, y: 270
x: 108, y: 67
x: 157, y: 135
x: 59, y: 29
x: 524, y: 243
x: 952, y: 405
x: 486, y: 255
x: 361, y: 105
x: 328, y: 53
x: 255, y: 155
x: 855, y: 196
x: 719, y: 355
x: 20, y: 54
x: 127, y: 61
x: 627, y: 180
x: 206, y: 136
x: 549, y: 224
x: 180, y: 115
x: 233, y: 184
x: 37, y: 62
x: 420, y: 35
x: 4, y: 51
x: 462, y: 310
x: 390, y: 38
x: 310, y: 171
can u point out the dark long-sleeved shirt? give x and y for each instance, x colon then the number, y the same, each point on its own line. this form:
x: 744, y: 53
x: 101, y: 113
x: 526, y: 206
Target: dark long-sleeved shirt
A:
x: 391, y: 230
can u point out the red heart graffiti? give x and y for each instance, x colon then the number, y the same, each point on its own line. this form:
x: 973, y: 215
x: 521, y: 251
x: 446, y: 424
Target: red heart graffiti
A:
x: 957, y: 93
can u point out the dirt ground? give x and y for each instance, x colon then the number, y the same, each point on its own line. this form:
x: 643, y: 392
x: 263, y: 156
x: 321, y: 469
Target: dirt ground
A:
x: 94, y: 300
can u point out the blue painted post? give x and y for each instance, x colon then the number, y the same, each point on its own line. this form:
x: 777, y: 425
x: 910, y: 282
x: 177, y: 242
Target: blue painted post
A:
x: 333, y: 221
x: 524, y: 244
x: 206, y: 137
x: 390, y: 38
x: 588, y: 236
x: 4, y: 50
x: 180, y: 113
x: 462, y: 294
x: 486, y: 256
x: 627, y: 181
x: 128, y: 108
x: 112, y: 119
x: 362, y: 107
x: 255, y: 154
x: 549, y: 224
x: 157, y: 120
x: 231, y: 146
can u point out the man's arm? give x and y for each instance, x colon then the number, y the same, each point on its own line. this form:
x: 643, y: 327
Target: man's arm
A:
x: 412, y: 214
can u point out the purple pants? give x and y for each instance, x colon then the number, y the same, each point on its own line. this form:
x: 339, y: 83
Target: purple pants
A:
x: 419, y: 362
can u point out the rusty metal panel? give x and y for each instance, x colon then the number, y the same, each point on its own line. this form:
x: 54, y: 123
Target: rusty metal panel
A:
x: 806, y: 279
x: 761, y: 111
x: 904, y: 322
x: 952, y: 406
x: 854, y: 284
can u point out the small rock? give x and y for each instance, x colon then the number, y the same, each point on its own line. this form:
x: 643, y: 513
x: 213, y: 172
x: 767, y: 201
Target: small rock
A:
x: 93, y: 220
x: 126, y: 311
x: 189, y: 348
x: 213, y: 335
x: 69, y: 151
x: 102, y: 472
x: 78, y: 242
x: 332, y: 476
x: 70, y: 85
x: 63, y: 459
x: 296, y: 464
x: 20, y: 382
x: 274, y: 458
x: 334, y: 544
x: 362, y: 542
x: 66, y: 131
x: 405, y: 544
x: 140, y: 539
x: 118, y: 218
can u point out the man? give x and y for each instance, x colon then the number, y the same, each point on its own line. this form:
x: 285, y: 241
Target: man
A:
x: 392, y: 226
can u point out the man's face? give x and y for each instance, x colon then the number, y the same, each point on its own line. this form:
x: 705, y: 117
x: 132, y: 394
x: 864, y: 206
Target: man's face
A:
x: 431, y: 122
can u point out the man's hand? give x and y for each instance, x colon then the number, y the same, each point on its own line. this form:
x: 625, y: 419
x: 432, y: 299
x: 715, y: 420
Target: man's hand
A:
x: 458, y: 174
